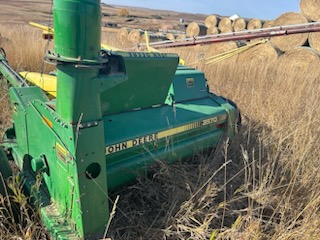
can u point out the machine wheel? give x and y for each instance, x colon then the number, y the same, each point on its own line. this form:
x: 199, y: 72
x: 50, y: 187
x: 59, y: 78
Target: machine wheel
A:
x: 4, y: 169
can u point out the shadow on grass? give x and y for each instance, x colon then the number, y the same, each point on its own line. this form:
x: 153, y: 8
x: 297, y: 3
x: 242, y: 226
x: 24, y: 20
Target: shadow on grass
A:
x: 208, y: 192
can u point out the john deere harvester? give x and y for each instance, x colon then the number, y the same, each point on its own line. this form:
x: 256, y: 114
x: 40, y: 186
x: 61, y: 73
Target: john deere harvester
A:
x: 111, y: 115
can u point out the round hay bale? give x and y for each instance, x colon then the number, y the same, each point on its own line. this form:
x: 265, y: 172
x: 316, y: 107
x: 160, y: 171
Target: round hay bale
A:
x: 225, y: 25
x: 122, y: 34
x: 226, y: 30
x: 213, y: 31
x: 259, y: 55
x: 296, y: 63
x: 194, y: 29
x: 180, y: 37
x: 221, y: 47
x: 211, y: 21
x: 254, y: 23
x: 268, y: 24
x: 170, y: 36
x: 314, y: 41
x: 239, y: 25
x: 285, y: 43
x: 135, y: 36
x: 310, y: 9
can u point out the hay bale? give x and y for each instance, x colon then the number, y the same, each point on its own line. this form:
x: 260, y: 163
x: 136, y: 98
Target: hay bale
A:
x: 268, y: 24
x: 259, y: 55
x: 285, y: 43
x: 239, y: 24
x: 170, y: 36
x: 211, y: 21
x: 254, y: 63
x: 135, y: 36
x: 254, y: 23
x: 296, y: 63
x: 180, y: 37
x: 310, y: 9
x: 221, y: 47
x: 225, y: 25
x: 123, y: 34
x: 314, y: 41
x: 213, y: 30
x: 194, y: 29
x: 227, y: 30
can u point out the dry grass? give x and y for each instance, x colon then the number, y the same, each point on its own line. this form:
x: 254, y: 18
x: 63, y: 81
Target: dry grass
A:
x: 265, y: 184
x: 19, y: 219
x: 24, y: 47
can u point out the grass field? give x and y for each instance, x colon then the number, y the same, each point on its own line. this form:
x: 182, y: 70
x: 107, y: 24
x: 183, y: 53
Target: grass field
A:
x: 265, y: 184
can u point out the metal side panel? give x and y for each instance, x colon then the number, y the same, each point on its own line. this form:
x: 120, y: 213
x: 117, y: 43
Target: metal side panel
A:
x: 135, y: 140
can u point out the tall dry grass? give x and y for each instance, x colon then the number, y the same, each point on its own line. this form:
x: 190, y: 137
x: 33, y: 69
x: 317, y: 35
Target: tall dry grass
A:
x: 265, y: 184
x: 25, y: 47
x: 279, y: 145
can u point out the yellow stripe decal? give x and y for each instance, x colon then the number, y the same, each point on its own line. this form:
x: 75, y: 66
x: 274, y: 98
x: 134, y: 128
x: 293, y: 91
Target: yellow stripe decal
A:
x: 160, y: 135
x: 47, y: 121
x: 61, y: 152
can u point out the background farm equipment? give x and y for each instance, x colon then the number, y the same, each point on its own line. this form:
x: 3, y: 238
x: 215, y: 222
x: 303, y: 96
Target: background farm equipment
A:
x: 110, y: 116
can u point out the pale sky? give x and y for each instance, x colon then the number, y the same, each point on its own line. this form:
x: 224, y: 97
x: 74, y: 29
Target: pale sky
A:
x: 263, y: 9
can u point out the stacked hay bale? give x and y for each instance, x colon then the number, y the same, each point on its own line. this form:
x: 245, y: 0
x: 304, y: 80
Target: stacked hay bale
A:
x: 134, y: 36
x: 215, y: 25
x: 123, y: 35
x: 239, y: 24
x: 194, y: 30
x: 311, y: 10
x: 211, y: 21
x: 180, y: 37
x: 213, y: 31
x: 225, y: 25
x: 272, y: 72
x: 254, y: 23
x: 285, y: 43
x: 296, y: 61
x: 259, y: 55
x: 267, y: 24
x: 287, y: 56
x: 314, y: 41
x: 294, y: 58
x: 217, y: 48
x: 300, y: 52
x: 170, y: 37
